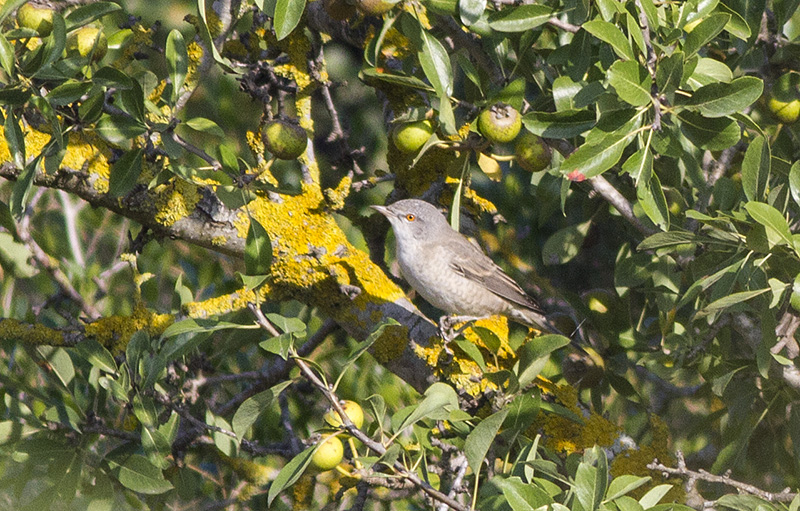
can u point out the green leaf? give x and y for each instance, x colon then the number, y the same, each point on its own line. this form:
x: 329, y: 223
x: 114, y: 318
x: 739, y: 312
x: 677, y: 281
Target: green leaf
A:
x: 209, y: 43
x: 708, y: 71
x: 640, y: 165
x: 650, y: 195
x: 733, y: 299
x: 249, y: 411
x: 592, y: 159
x: 6, y: 56
x: 54, y: 44
x: 756, y: 168
x: 177, y: 62
x: 290, y: 473
x: 623, y: 485
x: 480, y: 439
x: 22, y: 188
x: 119, y: 129
x: 669, y: 72
x: 533, y: 356
x: 402, y: 80
x: 711, y: 134
x: 705, y: 32
x: 60, y: 363
x: 609, y: 33
x: 564, y: 244
x: 439, y: 400
x: 204, y: 125
x: 652, y: 497
x: 737, y: 26
x: 721, y: 99
x: 563, y: 124
x: 257, y: 250
x: 472, y: 352
x: 773, y: 220
x: 565, y: 89
x: 522, y: 496
x: 591, y: 481
x: 287, y: 16
x: 435, y: 64
x: 14, y: 139
x: 195, y: 325
x: 794, y: 182
x: 668, y: 239
x: 108, y: 76
x: 97, y: 355
x: 88, y: 13
x: 470, y: 11
x: 7, y: 220
x: 520, y: 19
x: 138, y: 474
x: 156, y: 447
x: 125, y: 173
x: 631, y: 81
x: 68, y: 92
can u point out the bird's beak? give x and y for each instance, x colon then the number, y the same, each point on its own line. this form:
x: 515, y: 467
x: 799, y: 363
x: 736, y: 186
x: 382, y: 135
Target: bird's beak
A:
x: 383, y: 210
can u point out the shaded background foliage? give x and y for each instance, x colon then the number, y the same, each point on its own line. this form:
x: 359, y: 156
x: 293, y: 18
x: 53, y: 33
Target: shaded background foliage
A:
x: 688, y: 303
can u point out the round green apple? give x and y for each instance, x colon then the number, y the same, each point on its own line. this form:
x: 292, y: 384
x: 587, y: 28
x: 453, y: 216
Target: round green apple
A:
x: 500, y: 123
x: 285, y: 139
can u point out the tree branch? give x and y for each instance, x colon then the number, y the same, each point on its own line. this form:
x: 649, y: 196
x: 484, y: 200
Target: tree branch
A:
x: 702, y: 475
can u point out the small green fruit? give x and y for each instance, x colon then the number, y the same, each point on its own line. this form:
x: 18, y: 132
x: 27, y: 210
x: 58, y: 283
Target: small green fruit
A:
x: 411, y: 136
x: 351, y: 409
x: 374, y: 7
x: 285, y: 139
x: 36, y: 18
x: 787, y: 111
x: 339, y: 9
x: 784, y: 98
x: 500, y: 123
x: 329, y: 453
x: 88, y: 41
x: 532, y: 153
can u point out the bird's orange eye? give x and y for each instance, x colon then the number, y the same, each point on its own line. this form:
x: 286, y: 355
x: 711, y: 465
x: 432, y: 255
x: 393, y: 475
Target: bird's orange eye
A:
x: 411, y: 217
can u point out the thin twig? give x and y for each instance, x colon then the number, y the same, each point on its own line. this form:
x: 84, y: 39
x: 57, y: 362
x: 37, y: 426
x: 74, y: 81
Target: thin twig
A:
x: 351, y: 429
x: 47, y: 263
x: 278, y: 370
x: 563, y: 25
x: 651, y: 65
x: 702, y: 475
x: 194, y: 150
x: 616, y: 199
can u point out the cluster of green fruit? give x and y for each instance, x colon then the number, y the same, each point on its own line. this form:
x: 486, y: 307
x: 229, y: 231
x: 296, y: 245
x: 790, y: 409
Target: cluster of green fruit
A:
x: 330, y: 449
x: 84, y: 42
x: 499, y: 124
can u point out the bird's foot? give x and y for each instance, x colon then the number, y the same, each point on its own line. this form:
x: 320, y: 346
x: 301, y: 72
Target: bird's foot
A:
x: 447, y: 324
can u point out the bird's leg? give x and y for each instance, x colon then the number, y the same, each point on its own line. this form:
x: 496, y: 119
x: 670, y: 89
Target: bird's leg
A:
x: 447, y: 324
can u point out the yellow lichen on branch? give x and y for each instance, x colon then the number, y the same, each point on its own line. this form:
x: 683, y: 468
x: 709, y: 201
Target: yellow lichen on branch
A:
x: 114, y: 332
x: 38, y: 334
x: 84, y: 152
x: 566, y: 435
x: 463, y: 371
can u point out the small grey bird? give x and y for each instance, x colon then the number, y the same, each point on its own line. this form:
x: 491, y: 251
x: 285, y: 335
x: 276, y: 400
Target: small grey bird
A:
x: 451, y: 272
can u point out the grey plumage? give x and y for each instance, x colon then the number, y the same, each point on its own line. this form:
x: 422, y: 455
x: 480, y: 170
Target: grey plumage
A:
x: 451, y: 272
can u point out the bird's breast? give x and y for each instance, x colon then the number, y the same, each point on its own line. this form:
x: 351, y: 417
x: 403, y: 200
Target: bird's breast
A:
x: 430, y: 273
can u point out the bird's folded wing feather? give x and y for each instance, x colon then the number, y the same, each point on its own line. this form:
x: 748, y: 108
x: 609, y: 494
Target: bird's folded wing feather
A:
x: 477, y: 266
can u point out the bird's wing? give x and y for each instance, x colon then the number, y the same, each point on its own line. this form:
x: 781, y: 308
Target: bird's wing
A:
x: 477, y: 266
